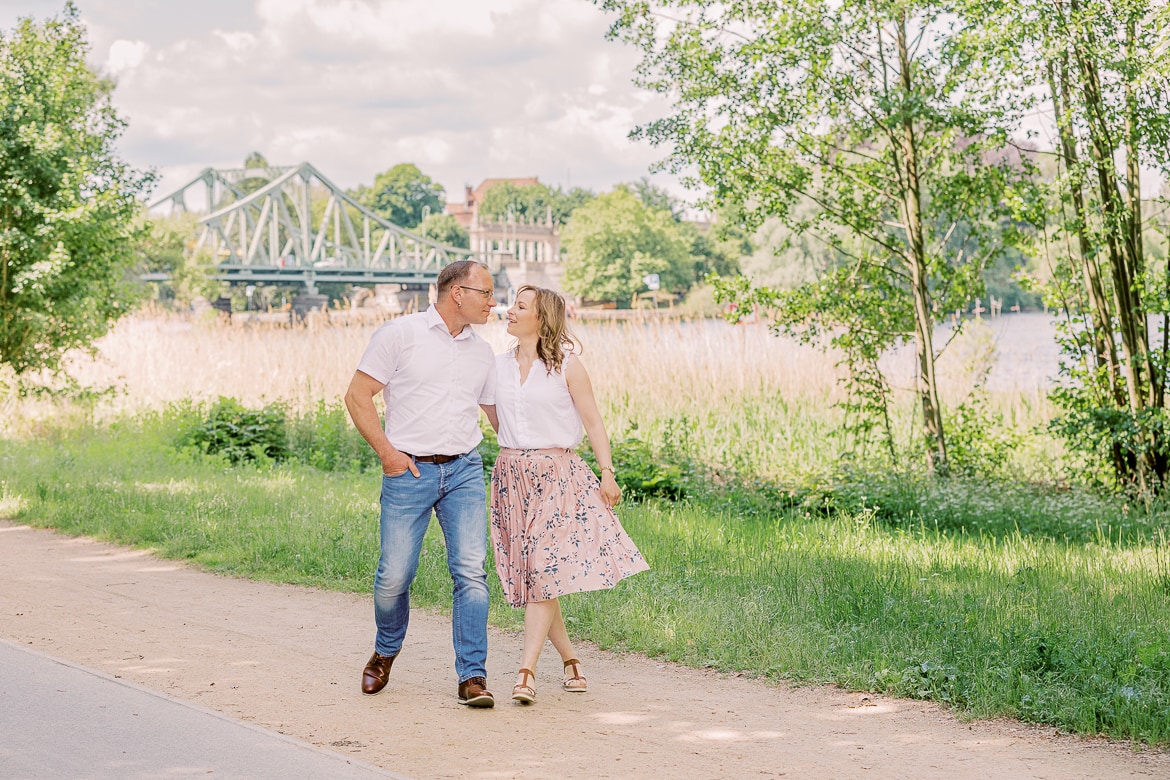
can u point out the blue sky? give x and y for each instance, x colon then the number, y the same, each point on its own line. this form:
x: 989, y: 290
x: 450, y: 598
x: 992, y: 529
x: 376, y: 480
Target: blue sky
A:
x: 465, y: 89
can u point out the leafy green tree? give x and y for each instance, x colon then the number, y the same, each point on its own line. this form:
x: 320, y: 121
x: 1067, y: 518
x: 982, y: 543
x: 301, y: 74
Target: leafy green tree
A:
x: 614, y: 241
x: 655, y: 197
x: 710, y: 252
x: 715, y: 248
x: 445, y: 229
x: 531, y: 201
x: 565, y: 202
x: 403, y: 194
x: 67, y: 202
x: 521, y: 201
x: 162, y: 241
x: 882, y: 113
x: 786, y: 259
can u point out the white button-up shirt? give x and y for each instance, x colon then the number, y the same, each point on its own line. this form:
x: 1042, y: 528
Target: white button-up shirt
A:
x: 434, y: 383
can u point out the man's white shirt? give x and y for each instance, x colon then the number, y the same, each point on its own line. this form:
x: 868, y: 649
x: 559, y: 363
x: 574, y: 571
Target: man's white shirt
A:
x: 434, y: 384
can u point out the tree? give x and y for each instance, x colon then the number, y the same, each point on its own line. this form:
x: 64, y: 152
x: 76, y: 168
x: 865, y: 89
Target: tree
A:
x: 787, y: 259
x: 710, y: 252
x: 67, y: 202
x: 403, y: 194
x: 882, y: 113
x: 505, y: 198
x: 531, y: 201
x: 614, y: 241
x: 655, y: 197
x: 565, y: 202
x: 714, y: 249
x: 445, y: 229
x: 1102, y: 69
x: 250, y: 184
x: 163, y: 244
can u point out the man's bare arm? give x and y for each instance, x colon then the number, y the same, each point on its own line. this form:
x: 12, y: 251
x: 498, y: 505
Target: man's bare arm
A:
x: 359, y: 400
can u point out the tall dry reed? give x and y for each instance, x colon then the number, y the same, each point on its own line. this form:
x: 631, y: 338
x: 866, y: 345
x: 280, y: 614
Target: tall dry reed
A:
x: 739, y: 395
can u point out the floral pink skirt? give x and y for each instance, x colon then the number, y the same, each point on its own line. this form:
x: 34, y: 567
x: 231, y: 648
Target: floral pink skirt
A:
x: 551, y: 530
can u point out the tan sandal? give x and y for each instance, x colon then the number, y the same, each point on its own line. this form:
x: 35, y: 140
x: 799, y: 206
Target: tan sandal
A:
x: 576, y: 683
x: 525, y: 694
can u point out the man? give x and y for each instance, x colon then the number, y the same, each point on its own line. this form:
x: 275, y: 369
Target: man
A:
x: 433, y: 371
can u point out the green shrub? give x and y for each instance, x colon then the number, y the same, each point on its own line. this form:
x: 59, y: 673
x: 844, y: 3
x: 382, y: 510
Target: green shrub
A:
x: 642, y: 473
x: 979, y: 441
x: 238, y: 434
x: 672, y: 470
x: 326, y: 439
x: 323, y: 437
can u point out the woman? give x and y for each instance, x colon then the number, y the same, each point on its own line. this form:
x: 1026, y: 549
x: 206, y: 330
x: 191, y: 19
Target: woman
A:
x: 552, y: 522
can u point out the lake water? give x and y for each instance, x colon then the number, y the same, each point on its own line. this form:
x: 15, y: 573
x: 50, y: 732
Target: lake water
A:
x: 1021, y: 349
x: 1010, y: 353
x: 1025, y: 355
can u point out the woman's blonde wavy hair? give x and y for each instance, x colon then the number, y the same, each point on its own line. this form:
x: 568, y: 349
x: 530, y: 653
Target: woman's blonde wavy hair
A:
x: 553, y: 339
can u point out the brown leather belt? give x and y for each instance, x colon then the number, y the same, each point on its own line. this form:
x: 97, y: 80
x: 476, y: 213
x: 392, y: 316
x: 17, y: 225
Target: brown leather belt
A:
x: 440, y: 459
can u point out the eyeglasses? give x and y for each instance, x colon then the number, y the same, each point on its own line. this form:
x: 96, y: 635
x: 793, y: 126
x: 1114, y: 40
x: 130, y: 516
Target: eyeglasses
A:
x: 488, y: 293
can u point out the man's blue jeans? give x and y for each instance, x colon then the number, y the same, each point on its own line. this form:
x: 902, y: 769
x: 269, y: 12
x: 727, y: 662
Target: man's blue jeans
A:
x: 455, y: 491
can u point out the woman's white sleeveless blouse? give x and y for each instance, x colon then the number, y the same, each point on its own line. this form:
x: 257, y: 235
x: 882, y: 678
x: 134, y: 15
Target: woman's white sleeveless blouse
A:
x: 537, y: 413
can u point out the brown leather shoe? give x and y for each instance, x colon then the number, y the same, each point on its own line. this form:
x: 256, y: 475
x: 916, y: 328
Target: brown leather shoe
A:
x: 377, y: 673
x: 474, y: 693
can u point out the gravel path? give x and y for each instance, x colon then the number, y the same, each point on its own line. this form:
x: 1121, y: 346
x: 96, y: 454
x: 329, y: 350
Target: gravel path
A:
x: 289, y: 659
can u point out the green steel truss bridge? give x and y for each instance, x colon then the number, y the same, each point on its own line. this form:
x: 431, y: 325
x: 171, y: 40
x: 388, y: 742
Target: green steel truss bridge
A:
x: 301, y: 228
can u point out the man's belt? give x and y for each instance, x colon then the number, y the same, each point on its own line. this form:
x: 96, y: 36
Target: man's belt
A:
x: 432, y: 458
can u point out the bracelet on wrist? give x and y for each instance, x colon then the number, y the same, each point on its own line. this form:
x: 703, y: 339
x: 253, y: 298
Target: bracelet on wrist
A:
x: 609, y: 469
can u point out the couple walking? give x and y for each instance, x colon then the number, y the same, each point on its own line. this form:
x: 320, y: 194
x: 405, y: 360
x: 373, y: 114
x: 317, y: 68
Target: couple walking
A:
x: 552, y: 523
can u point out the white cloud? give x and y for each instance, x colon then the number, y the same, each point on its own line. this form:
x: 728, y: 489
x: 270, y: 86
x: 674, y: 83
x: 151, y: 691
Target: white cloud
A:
x: 466, y: 89
x: 426, y: 150
x: 125, y: 55
x: 238, y: 42
x: 389, y: 24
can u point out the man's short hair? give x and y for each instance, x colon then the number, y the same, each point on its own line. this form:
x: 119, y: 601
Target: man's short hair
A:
x: 453, y: 274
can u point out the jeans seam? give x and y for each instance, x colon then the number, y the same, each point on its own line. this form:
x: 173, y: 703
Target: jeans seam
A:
x: 458, y: 638
x: 456, y: 635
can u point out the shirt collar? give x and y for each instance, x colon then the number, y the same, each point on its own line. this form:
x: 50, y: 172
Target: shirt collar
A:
x: 435, y: 320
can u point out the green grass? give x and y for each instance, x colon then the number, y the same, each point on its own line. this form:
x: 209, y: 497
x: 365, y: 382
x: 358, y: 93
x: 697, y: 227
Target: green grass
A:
x: 1073, y: 635
x: 1048, y: 606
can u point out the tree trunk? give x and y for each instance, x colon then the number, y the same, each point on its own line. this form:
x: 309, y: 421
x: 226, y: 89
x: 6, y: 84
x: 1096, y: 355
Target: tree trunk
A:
x: 916, y: 256
x: 1103, y: 343
x: 1133, y: 183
